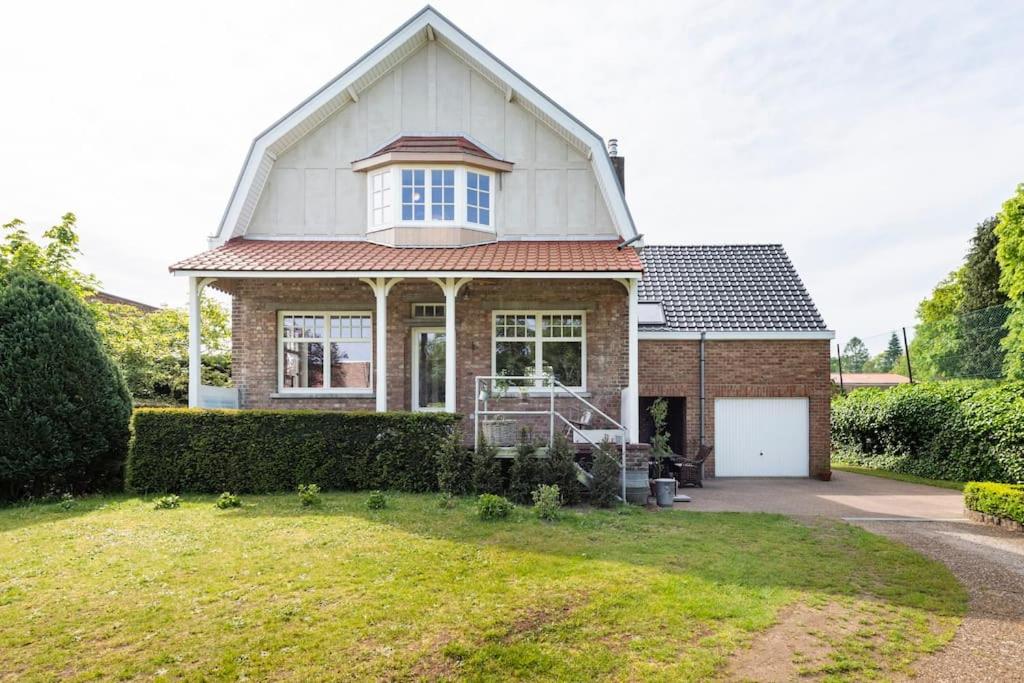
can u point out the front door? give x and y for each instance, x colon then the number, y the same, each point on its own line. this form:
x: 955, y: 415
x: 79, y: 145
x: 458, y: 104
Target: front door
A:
x: 428, y: 368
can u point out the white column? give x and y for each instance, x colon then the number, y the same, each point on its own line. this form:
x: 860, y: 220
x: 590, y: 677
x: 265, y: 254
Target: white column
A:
x: 450, y: 286
x: 195, y: 358
x: 381, y: 287
x: 633, y: 411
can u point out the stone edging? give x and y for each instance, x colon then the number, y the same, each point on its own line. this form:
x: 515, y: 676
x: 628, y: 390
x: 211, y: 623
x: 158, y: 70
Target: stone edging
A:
x: 992, y: 520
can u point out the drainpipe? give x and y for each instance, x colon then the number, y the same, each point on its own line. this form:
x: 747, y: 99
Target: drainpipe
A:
x: 701, y: 388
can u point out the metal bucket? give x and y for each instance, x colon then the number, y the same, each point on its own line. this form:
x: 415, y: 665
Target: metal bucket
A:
x: 666, y: 491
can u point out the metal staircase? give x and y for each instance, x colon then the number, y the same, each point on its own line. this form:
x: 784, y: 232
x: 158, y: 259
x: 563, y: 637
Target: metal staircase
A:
x: 488, y: 388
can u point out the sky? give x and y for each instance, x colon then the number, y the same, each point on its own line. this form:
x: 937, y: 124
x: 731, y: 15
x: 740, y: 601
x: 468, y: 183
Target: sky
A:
x: 869, y: 138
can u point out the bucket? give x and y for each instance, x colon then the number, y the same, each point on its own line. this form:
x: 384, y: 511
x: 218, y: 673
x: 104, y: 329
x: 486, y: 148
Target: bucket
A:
x: 666, y: 491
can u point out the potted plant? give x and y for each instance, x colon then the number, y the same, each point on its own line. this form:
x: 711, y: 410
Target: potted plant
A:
x: 660, y: 449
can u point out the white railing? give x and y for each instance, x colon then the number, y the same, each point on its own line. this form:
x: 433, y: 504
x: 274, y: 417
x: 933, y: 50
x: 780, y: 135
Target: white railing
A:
x: 217, y: 397
x: 485, y: 389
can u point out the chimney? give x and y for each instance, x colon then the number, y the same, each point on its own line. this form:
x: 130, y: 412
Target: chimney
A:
x: 618, y: 163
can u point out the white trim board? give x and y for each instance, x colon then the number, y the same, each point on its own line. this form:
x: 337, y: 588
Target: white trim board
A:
x: 723, y: 335
x: 335, y: 94
x: 495, y: 274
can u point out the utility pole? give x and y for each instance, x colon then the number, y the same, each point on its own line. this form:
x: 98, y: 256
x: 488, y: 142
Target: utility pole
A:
x: 839, y: 357
x: 906, y: 349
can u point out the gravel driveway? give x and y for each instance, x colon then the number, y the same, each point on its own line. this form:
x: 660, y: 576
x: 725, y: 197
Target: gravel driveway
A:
x: 988, y: 561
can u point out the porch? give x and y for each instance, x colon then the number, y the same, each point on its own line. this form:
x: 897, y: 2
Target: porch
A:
x: 381, y: 342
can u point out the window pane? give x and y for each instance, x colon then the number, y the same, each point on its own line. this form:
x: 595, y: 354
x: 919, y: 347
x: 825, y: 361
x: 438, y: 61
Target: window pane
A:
x: 514, y: 358
x: 485, y: 217
x: 350, y: 364
x: 303, y: 365
x: 471, y: 180
x: 485, y: 183
x: 413, y: 194
x: 565, y: 361
x: 471, y: 214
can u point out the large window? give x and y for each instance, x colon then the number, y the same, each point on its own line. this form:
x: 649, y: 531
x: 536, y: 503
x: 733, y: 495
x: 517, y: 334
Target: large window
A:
x: 430, y: 196
x: 478, y: 198
x: 325, y: 351
x: 531, y: 343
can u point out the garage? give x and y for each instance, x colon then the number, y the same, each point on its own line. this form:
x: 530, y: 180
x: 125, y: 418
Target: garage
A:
x: 761, y: 437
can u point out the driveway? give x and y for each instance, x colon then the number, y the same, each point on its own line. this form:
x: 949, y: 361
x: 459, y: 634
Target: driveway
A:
x: 988, y: 561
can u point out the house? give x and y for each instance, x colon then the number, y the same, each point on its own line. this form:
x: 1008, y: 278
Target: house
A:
x: 859, y: 380
x: 429, y: 218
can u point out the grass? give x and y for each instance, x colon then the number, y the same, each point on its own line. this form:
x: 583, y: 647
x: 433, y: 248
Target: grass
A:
x: 898, y: 476
x: 112, y: 588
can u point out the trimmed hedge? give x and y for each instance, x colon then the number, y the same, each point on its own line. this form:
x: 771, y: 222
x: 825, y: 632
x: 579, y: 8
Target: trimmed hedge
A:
x: 960, y: 430
x: 999, y: 500
x: 263, y: 451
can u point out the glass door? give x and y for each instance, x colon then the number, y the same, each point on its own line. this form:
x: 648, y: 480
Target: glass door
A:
x: 428, y: 368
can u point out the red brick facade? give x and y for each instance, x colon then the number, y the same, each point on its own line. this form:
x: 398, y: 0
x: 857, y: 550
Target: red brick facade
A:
x: 256, y: 303
x: 667, y: 368
x: 742, y: 369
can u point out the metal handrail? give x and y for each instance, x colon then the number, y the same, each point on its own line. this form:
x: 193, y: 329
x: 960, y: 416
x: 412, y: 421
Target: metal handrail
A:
x: 551, y: 412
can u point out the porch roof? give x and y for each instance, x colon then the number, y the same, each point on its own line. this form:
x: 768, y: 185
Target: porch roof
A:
x: 322, y: 256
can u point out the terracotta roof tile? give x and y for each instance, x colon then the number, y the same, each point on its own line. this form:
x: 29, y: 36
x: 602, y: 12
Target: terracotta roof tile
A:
x: 338, y: 256
x: 434, y: 144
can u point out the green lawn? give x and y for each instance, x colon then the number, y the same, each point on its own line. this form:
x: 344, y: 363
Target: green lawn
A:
x: 911, y: 478
x: 115, y: 589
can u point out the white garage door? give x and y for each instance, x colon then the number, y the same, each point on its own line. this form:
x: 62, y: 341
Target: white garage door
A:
x: 761, y: 437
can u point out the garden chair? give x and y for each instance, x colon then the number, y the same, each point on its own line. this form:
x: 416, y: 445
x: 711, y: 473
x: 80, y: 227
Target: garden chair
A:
x: 583, y: 423
x: 690, y: 471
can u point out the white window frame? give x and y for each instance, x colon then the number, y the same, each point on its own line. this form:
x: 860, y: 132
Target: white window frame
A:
x: 490, y: 200
x: 386, y: 195
x: 326, y: 340
x: 538, y: 339
x: 416, y: 311
x: 461, y: 198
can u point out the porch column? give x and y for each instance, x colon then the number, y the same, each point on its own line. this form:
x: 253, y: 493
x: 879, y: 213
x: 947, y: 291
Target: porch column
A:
x: 450, y: 286
x: 195, y: 328
x: 631, y: 416
x: 381, y: 287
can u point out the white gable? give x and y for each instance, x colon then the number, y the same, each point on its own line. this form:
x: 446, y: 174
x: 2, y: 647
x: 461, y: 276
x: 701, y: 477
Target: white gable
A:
x: 564, y: 184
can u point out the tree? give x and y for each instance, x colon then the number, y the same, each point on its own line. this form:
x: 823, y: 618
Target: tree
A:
x: 152, y: 347
x: 935, y: 351
x: 893, y: 352
x: 52, y: 262
x: 64, y: 409
x: 1010, y: 256
x: 855, y: 355
x: 982, y: 311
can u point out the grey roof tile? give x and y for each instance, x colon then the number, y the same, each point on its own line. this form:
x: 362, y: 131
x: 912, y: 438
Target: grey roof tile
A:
x: 725, y: 288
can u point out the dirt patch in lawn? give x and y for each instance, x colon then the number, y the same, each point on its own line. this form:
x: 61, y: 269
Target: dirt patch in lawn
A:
x: 797, y: 646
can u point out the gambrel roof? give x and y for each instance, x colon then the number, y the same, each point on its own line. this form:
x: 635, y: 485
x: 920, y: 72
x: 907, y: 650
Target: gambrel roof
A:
x: 727, y: 288
x: 428, y: 24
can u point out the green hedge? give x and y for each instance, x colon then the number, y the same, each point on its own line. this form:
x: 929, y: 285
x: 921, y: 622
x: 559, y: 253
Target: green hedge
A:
x: 959, y: 430
x: 999, y: 500
x: 261, y: 451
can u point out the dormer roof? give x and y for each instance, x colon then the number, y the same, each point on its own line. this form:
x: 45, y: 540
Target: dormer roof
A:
x: 432, y: 149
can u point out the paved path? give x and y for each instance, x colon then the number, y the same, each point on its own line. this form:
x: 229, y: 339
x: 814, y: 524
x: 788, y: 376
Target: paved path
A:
x: 988, y: 561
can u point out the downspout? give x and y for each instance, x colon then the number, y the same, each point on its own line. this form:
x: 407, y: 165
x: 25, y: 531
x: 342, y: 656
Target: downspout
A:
x: 701, y: 388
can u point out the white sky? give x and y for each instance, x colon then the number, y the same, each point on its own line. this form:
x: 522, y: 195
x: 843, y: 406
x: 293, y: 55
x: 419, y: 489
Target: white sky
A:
x: 867, y: 137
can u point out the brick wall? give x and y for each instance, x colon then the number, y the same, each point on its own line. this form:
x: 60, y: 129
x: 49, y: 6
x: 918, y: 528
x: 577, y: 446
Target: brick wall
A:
x: 742, y: 369
x: 256, y: 303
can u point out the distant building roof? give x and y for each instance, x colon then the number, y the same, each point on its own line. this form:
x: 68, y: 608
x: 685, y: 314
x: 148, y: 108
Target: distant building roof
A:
x: 107, y: 298
x: 870, y: 379
x: 748, y: 287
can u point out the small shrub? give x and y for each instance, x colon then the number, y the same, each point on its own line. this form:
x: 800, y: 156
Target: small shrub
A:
x: 376, y: 501
x: 227, y: 500
x: 447, y: 501
x: 526, y: 472
x: 490, y: 506
x: 607, y: 485
x: 561, y: 470
x: 998, y: 500
x: 546, y: 502
x: 167, y: 503
x: 309, y: 495
x: 454, y: 468
x: 67, y: 502
x: 487, y: 475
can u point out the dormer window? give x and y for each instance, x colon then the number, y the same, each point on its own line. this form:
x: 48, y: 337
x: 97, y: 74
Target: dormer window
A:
x: 444, y: 183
